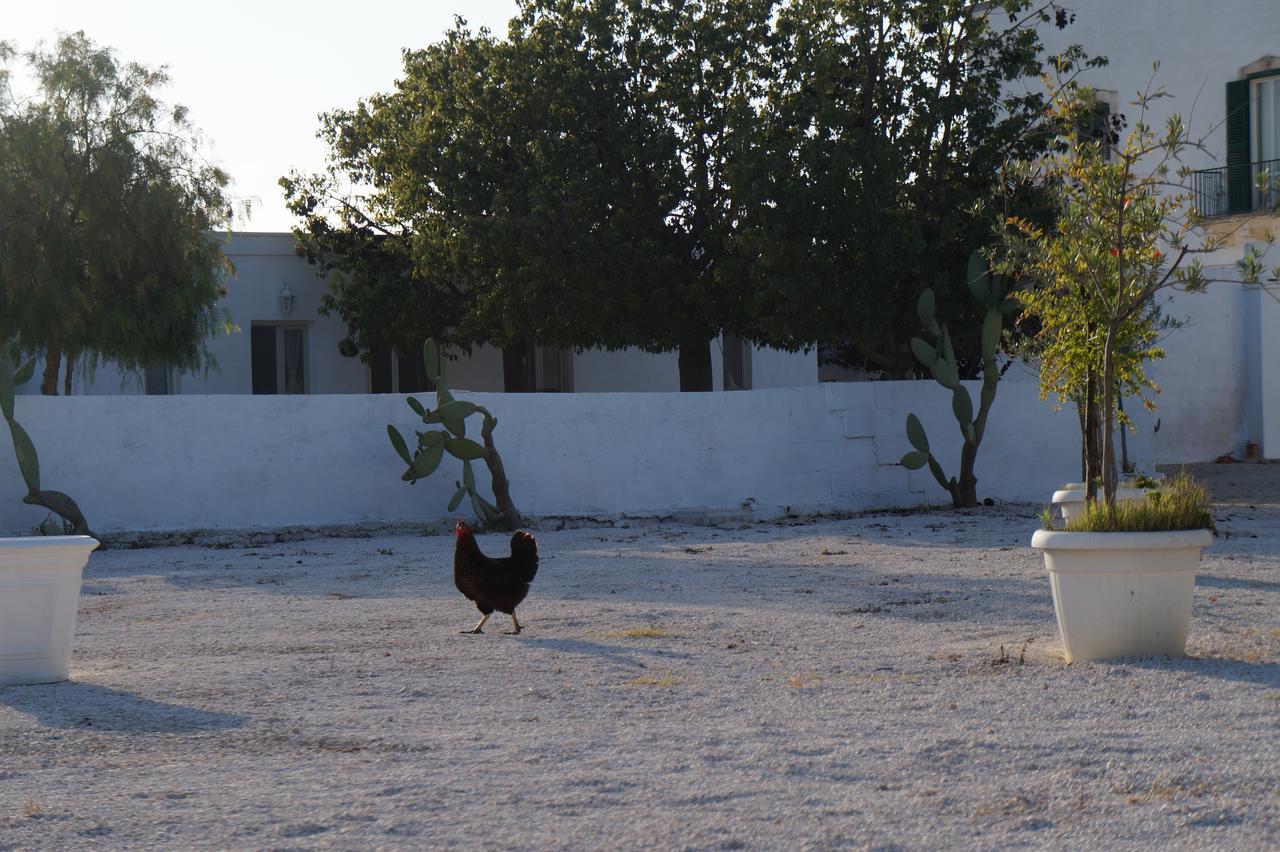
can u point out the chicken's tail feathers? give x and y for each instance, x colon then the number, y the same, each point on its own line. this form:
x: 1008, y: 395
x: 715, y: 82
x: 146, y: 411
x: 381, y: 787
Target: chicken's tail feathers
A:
x: 524, y: 553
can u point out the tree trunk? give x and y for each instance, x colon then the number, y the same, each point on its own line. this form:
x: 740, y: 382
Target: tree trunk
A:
x: 66, y: 381
x: 965, y: 495
x: 1108, y: 418
x: 52, y: 361
x: 501, y: 487
x: 695, y: 364
x: 1091, y: 467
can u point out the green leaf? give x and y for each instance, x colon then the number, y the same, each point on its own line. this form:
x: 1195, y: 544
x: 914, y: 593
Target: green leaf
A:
x: 425, y: 462
x: 397, y: 441
x: 936, y: 470
x: 915, y: 460
x: 454, y: 410
x: 916, y: 434
x: 6, y: 389
x: 991, y: 325
x: 924, y: 353
x: 443, y: 397
x: 925, y: 306
x: 430, y: 439
x: 28, y: 461
x: 25, y: 373
x: 962, y: 406
x: 979, y: 279
x: 465, y: 449
x: 418, y: 408
x: 456, y: 500
x: 988, y: 395
x: 431, y: 360
x: 476, y: 505
x: 468, y: 476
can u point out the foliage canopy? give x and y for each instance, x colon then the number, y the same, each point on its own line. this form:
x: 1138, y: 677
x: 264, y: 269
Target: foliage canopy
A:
x: 106, y: 208
x: 621, y: 173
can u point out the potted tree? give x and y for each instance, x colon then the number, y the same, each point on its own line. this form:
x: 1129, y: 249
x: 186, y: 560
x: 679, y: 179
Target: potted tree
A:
x: 1122, y: 573
x: 39, y: 575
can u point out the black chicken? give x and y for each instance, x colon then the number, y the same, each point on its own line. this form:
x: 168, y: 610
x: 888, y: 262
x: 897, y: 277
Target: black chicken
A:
x: 491, y: 584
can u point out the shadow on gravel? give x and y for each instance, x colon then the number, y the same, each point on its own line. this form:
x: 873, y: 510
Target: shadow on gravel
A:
x: 595, y: 649
x: 1217, y: 581
x: 87, y: 706
x: 1223, y: 668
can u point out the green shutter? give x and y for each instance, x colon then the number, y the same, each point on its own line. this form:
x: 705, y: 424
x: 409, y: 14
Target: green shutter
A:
x: 1239, y: 175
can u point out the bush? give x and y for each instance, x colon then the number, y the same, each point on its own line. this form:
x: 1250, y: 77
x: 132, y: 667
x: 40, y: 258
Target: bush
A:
x: 1178, y: 503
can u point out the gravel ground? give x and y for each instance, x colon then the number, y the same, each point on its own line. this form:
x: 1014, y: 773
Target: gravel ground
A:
x: 884, y: 681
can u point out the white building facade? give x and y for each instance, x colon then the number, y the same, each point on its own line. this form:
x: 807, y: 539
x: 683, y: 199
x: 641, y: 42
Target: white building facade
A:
x: 1220, y: 62
x: 283, y: 345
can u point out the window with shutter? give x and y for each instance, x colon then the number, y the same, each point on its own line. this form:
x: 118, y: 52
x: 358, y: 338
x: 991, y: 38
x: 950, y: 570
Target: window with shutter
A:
x: 1239, y: 174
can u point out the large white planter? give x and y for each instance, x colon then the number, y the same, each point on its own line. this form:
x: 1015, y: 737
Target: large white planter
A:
x: 1070, y: 500
x: 1122, y: 594
x: 39, y: 593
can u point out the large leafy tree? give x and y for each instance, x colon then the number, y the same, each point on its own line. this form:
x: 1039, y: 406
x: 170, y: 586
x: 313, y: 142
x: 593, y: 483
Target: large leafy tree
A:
x: 885, y: 132
x: 567, y: 184
x: 653, y: 172
x: 106, y: 208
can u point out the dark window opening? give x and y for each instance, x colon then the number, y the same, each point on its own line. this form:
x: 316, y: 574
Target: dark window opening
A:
x: 262, y: 343
x: 279, y: 358
x: 736, y: 363
x: 380, y: 371
x: 517, y: 368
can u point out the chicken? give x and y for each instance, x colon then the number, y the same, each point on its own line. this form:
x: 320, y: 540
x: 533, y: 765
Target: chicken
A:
x: 494, y: 584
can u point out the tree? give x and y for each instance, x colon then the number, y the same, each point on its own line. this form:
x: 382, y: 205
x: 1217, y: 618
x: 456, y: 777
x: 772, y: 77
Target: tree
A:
x: 568, y: 184
x: 636, y: 173
x: 884, y: 136
x: 1127, y: 230
x: 106, y: 208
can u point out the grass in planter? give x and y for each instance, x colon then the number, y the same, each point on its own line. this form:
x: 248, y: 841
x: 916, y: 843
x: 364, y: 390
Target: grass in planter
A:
x: 1178, y: 503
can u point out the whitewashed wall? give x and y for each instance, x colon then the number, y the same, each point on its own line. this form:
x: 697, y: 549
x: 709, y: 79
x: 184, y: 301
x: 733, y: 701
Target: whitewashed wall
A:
x: 204, y: 462
x: 1220, y: 383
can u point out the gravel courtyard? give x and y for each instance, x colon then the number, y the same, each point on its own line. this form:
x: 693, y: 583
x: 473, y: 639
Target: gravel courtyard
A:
x: 884, y: 681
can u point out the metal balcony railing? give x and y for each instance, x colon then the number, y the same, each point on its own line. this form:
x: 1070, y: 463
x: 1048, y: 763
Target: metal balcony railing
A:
x: 1227, y: 190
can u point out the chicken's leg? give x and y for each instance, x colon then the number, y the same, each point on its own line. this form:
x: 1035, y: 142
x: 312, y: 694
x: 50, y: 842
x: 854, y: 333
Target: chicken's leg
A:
x: 516, y: 629
x: 480, y: 624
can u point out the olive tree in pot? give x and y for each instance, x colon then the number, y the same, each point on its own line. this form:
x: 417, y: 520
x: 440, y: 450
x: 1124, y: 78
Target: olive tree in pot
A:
x: 39, y: 575
x: 1122, y: 574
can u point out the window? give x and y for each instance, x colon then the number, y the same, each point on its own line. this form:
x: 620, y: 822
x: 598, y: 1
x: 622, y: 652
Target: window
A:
x: 1253, y: 137
x: 157, y: 380
x: 555, y: 370
x: 279, y: 355
x: 737, y: 362
x: 1266, y: 138
x: 527, y: 368
x: 1103, y: 123
x: 391, y: 372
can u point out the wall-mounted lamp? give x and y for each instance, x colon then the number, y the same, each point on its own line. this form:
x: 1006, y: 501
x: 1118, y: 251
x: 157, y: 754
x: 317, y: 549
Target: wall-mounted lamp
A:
x: 286, y: 298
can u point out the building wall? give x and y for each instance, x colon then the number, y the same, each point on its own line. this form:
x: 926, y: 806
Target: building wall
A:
x: 265, y: 261
x: 243, y: 461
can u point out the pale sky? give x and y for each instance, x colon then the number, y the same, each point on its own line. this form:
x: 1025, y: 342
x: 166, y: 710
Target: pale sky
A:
x: 256, y: 74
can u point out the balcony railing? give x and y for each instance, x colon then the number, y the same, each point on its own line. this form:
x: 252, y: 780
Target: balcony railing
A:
x: 1229, y: 190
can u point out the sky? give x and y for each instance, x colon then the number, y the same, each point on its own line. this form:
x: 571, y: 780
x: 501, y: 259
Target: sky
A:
x: 255, y: 75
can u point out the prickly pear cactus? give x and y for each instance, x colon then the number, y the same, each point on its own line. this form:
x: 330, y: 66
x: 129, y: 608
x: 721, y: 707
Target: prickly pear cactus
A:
x: 12, y: 376
x: 940, y: 359
x: 433, y: 444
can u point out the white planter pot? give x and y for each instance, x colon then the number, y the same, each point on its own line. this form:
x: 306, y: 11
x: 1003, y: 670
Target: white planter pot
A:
x: 1070, y: 500
x: 39, y: 594
x: 1122, y: 594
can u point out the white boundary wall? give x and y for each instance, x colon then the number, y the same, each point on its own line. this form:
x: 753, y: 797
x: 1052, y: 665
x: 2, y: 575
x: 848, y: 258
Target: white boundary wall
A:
x: 236, y: 462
